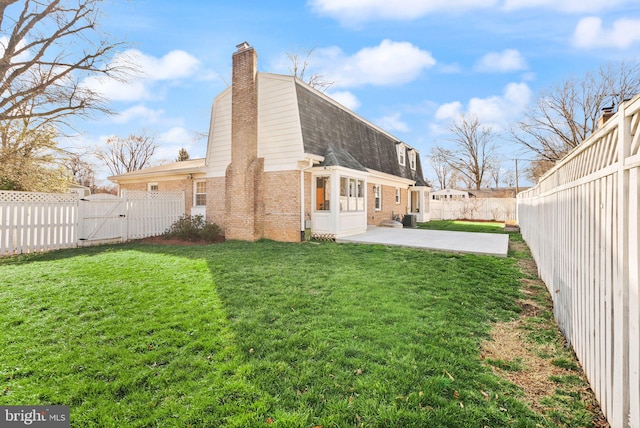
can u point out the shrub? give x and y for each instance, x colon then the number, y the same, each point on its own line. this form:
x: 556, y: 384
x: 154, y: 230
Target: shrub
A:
x: 193, y: 228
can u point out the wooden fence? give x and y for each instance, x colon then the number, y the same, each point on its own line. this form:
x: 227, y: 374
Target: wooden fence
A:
x: 581, y: 223
x: 34, y: 222
x: 494, y: 209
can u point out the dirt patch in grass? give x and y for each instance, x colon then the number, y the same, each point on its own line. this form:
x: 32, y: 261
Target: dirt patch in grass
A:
x: 509, y: 345
x: 534, y: 346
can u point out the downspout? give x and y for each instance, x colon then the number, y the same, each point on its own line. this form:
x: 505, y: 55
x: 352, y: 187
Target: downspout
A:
x: 302, y: 212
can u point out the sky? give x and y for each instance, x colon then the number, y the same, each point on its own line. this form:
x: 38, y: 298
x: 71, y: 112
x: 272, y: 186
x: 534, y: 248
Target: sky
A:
x: 408, y: 66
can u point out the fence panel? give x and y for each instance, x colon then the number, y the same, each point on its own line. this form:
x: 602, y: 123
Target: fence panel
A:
x: 493, y: 209
x: 32, y: 221
x: 581, y: 223
x: 151, y: 213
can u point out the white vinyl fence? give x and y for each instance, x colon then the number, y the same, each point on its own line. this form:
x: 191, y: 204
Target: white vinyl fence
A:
x: 494, y: 209
x: 34, y: 222
x: 581, y: 223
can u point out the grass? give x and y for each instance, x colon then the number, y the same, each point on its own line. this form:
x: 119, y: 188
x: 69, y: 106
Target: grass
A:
x: 463, y: 226
x: 261, y: 334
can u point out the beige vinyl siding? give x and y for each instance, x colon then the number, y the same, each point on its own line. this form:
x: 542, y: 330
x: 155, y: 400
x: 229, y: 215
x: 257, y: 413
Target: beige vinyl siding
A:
x: 219, y: 144
x: 279, y: 132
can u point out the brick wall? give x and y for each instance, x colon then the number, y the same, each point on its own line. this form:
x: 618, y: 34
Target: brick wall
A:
x: 134, y: 186
x: 282, y: 206
x: 389, y: 206
x: 216, y: 201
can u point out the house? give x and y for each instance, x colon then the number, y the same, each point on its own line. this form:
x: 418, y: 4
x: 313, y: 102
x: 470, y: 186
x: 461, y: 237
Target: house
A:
x: 284, y: 159
x: 450, y: 194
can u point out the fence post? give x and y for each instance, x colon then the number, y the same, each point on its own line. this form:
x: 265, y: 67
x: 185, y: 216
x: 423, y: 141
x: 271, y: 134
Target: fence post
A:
x: 124, y: 224
x: 621, y: 284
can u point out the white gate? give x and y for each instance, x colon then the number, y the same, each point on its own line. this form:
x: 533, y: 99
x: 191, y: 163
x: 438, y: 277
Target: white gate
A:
x: 102, y: 218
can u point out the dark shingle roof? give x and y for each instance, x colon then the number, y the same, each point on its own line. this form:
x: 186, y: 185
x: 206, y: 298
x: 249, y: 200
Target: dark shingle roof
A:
x: 335, y: 156
x: 329, y: 129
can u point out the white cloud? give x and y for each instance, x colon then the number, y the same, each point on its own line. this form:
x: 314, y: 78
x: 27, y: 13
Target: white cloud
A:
x: 356, y: 12
x: 346, y: 98
x: 589, y: 33
x: 172, y: 140
x: 139, y: 112
x: 495, y: 111
x: 176, y: 135
x: 389, y: 63
x: 176, y: 64
x: 448, y: 111
x: 453, y: 68
x: 569, y: 6
x: 393, y: 123
x: 501, y: 62
x: 149, y: 71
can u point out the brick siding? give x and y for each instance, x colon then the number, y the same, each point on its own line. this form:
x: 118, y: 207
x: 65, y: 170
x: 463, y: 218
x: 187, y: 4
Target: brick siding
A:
x: 389, y: 206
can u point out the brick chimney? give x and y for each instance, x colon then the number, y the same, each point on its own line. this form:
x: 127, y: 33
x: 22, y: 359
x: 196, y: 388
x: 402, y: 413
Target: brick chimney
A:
x: 244, y: 176
x: 607, y: 113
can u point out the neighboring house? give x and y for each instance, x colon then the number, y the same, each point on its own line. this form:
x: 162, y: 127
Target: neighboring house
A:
x: 496, y: 192
x: 283, y: 158
x: 450, y: 194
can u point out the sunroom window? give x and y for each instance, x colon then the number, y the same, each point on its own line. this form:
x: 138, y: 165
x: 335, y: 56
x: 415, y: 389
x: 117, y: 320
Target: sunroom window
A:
x: 351, y: 194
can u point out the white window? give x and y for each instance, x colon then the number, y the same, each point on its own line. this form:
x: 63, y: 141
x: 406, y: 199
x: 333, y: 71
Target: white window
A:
x: 401, y: 153
x: 397, y: 195
x: 351, y: 194
x: 377, y: 197
x: 412, y: 159
x: 323, y: 194
x: 152, y: 187
x: 200, y: 198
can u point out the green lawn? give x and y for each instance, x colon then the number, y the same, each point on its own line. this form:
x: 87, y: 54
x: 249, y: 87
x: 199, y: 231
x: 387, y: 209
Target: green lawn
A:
x: 463, y: 226
x: 259, y: 334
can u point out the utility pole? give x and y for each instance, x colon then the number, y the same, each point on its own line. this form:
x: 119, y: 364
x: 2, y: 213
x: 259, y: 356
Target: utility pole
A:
x: 516, y: 176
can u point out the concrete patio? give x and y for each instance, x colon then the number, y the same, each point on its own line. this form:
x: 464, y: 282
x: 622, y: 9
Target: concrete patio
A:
x: 492, y: 244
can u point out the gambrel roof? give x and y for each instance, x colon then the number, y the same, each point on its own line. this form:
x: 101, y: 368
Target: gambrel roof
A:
x: 328, y: 128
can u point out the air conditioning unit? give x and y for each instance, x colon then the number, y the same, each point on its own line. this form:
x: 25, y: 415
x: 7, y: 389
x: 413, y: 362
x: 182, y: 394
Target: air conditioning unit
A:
x: 409, y: 220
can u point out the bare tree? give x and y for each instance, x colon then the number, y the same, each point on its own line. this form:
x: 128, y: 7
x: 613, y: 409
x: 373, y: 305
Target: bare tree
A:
x: 473, y: 153
x: 122, y: 155
x: 495, y: 171
x: 81, y: 169
x: 47, y: 48
x: 537, y: 168
x: 299, y: 67
x: 446, y: 177
x: 509, y: 178
x: 565, y: 115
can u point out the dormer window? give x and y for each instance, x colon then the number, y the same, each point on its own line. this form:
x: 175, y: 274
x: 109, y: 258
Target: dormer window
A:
x: 412, y: 159
x: 401, y: 154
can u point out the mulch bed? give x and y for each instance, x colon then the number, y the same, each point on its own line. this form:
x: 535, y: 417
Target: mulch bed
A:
x: 161, y: 240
